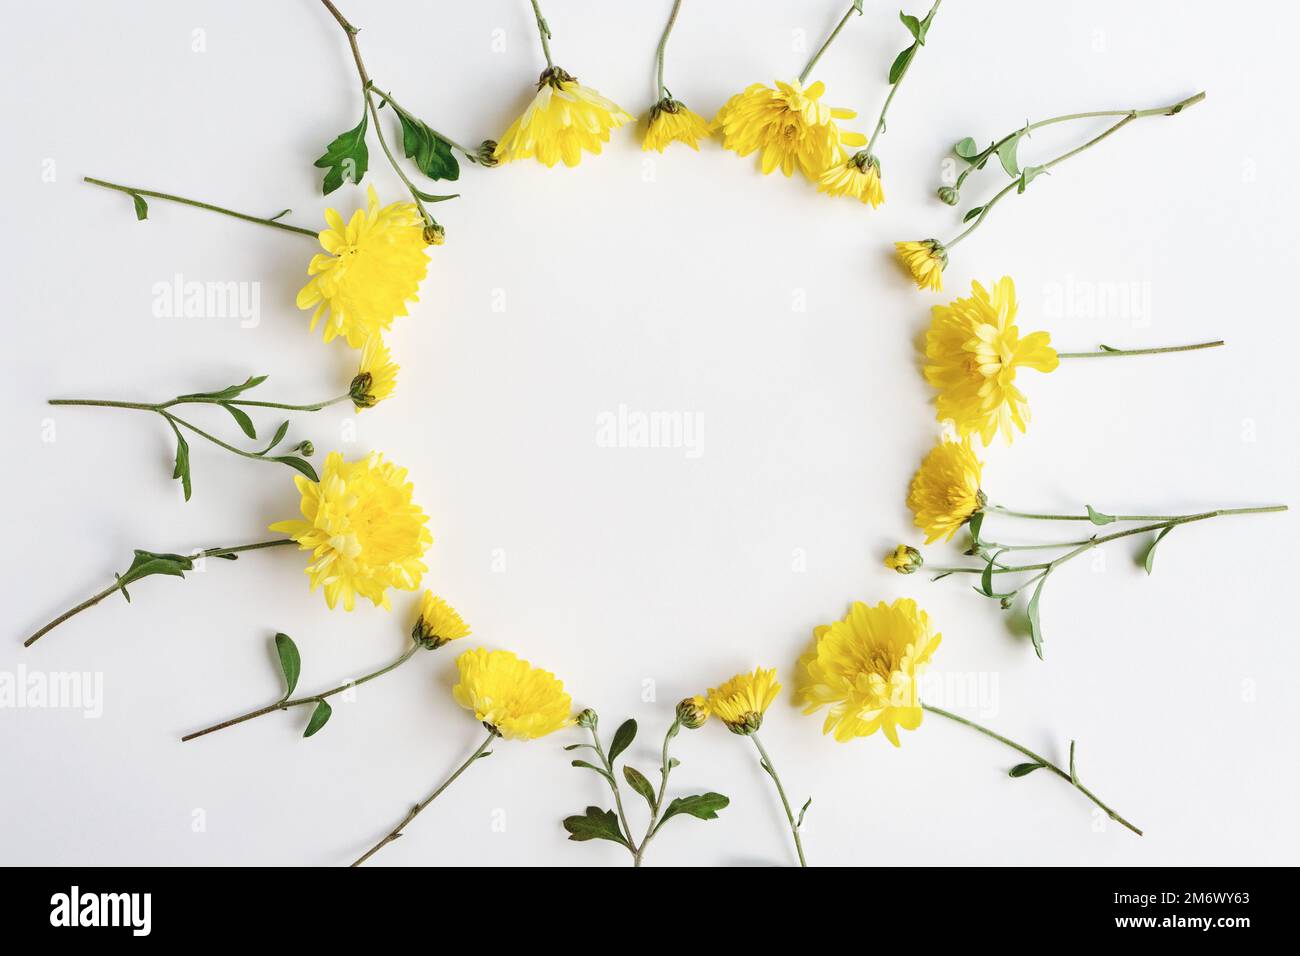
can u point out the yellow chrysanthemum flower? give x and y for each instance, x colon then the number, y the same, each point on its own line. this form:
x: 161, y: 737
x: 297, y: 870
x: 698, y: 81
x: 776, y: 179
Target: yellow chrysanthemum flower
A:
x: 438, y: 623
x: 672, y: 122
x: 741, y: 702
x: 511, y: 696
x: 946, y: 491
x: 904, y: 559
x: 788, y: 125
x: 377, y: 377
x: 865, y: 669
x: 973, y: 349
x: 926, y: 261
x: 563, y: 119
x: 372, y: 267
x: 858, y: 176
x: 365, y: 533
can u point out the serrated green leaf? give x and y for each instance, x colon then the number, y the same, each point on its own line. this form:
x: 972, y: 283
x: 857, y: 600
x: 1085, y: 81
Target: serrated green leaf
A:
x: 431, y: 152
x: 1007, y: 156
x: 637, y: 781
x: 1099, y: 518
x: 900, y: 64
x: 623, y: 738
x: 702, y: 806
x: 972, y: 213
x: 319, y: 716
x: 1149, y: 559
x: 966, y: 149
x: 141, y: 207
x: 345, y: 156
x: 1035, y: 626
x: 290, y: 662
x: 1022, y: 769
x: 279, y: 435
x: 300, y: 465
x: 241, y: 418
x: 596, y: 824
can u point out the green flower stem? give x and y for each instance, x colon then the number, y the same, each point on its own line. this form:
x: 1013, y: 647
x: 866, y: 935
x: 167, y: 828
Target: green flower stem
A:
x: 160, y: 406
x: 661, y: 91
x: 415, y: 810
x: 853, y: 8
x: 1200, y: 514
x: 132, y: 191
x: 880, y: 123
x: 789, y: 814
x: 618, y: 796
x: 1070, y: 778
x: 1161, y: 525
x: 1107, y: 351
x: 285, y: 704
x: 665, y: 768
x: 1129, y: 116
x: 366, y: 87
x: 92, y: 601
x: 544, y: 32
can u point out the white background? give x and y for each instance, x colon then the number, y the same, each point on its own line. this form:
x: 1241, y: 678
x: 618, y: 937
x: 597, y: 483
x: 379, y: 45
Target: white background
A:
x: 666, y: 283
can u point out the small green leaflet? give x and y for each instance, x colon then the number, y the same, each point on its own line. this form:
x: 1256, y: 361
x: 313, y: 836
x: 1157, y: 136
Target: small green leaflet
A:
x: 913, y: 25
x: 182, y: 469
x: 431, y: 152
x: 141, y: 207
x: 1007, y: 156
x: 318, y: 718
x: 226, y: 394
x: 972, y: 213
x: 590, y: 766
x: 1028, y: 175
x: 804, y: 809
x: 986, y: 579
x: 1036, y: 628
x: 1150, y: 557
x: 146, y: 563
x: 345, y: 157
x: 1023, y: 769
x: 702, y: 806
x: 637, y: 781
x: 241, y: 419
x: 1097, y: 517
x: 300, y: 465
x: 623, y: 738
x: 279, y: 434
x: 966, y: 149
x: 290, y: 662
x: 597, y: 824
x: 900, y: 64
x: 975, y: 523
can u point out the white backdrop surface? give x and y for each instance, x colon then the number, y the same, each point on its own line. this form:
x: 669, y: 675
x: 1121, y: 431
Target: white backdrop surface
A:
x: 771, y: 316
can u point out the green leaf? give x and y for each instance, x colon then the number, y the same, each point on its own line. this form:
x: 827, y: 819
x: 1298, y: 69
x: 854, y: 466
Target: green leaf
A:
x: 637, y: 781
x: 319, y: 716
x: 241, y: 418
x: 290, y: 662
x: 1074, y: 776
x: 1150, y: 557
x: 579, y: 747
x: 279, y: 434
x: 1029, y: 174
x: 986, y: 579
x: 597, y: 824
x: 857, y: 5
x: 913, y: 25
x: 966, y: 149
x: 972, y: 213
x: 591, y: 766
x: 182, y: 469
x: 1022, y: 769
x: 802, y: 810
x: 300, y: 465
x: 1035, y: 626
x: 141, y: 207
x: 147, y: 563
x: 975, y: 524
x: 623, y: 738
x: 702, y: 806
x: 226, y: 394
x: 1007, y: 155
x: 900, y: 64
x: 431, y: 152
x: 1097, y: 517
x: 345, y: 156
x: 430, y: 197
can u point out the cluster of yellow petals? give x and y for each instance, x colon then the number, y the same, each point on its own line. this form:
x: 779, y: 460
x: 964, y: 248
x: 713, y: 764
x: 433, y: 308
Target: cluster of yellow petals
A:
x: 741, y: 702
x: 671, y: 122
x: 972, y: 352
x: 365, y: 533
x: 857, y: 177
x: 376, y: 379
x: 519, y: 701
x: 563, y: 119
x: 865, y: 668
x: 926, y: 261
x: 438, y: 622
x: 788, y: 126
x: 946, y: 491
x: 372, y: 267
